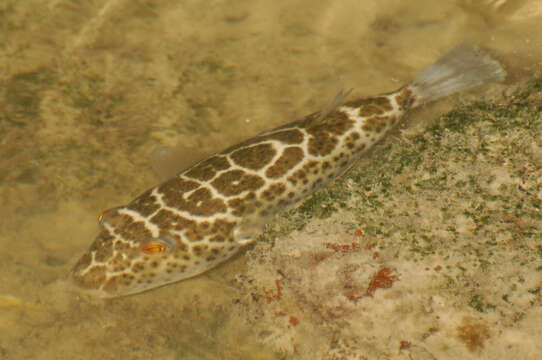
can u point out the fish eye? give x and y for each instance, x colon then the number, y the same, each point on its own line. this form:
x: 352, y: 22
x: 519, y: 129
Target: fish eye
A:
x: 158, y: 246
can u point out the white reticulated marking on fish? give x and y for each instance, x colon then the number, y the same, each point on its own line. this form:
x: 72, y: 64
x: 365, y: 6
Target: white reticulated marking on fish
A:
x: 204, y: 215
x: 153, y: 228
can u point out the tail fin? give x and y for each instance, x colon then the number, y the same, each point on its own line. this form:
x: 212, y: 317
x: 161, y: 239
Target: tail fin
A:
x: 462, y: 68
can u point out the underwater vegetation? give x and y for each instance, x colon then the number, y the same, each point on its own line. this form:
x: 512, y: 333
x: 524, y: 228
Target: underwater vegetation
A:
x: 431, y: 248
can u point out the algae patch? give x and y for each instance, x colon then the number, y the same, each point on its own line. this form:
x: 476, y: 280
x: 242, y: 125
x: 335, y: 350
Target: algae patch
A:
x: 452, y: 212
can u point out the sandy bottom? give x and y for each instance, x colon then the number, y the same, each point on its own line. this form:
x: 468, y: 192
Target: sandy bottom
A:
x: 90, y: 89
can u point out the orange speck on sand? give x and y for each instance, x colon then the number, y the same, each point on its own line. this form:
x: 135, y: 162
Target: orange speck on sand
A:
x: 271, y: 296
x: 430, y: 331
x: 404, y: 345
x: 358, y: 233
x: 511, y: 219
x: 321, y: 256
x: 343, y: 249
x: 294, y: 321
x: 382, y: 280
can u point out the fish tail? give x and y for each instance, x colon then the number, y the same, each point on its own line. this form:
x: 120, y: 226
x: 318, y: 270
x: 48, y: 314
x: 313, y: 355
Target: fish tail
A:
x: 464, y: 67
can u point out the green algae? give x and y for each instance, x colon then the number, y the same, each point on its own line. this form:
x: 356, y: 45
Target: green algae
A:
x: 462, y: 191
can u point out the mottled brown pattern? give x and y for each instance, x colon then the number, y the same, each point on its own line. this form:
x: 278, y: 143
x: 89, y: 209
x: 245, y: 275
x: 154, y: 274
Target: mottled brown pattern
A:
x: 207, y: 169
x: 291, y: 156
x: 180, y: 249
x: 376, y: 124
x: 94, y: 279
x: 201, y: 203
x: 312, y: 164
x: 324, y: 132
x: 103, y: 245
x: 254, y: 157
x: 197, y: 231
x: 235, y: 182
x: 238, y: 206
x: 217, y: 238
x: 174, y: 188
x: 351, y: 140
x: 302, y: 175
x: 167, y: 219
x: 127, y: 279
x: 170, y: 267
x: 205, y: 252
x: 273, y: 191
x: 197, y: 250
x: 336, y: 123
x: 289, y: 137
x: 138, y: 267
x: 282, y: 134
x: 322, y: 143
x: 223, y: 227
x: 338, y: 157
x: 122, y: 246
x: 119, y: 262
x: 371, y: 106
x: 155, y: 263
x: 193, y: 231
x: 145, y: 204
x: 405, y: 99
x: 243, y: 205
x: 128, y: 228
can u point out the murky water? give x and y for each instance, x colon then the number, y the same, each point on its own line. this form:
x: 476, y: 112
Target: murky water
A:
x: 90, y: 89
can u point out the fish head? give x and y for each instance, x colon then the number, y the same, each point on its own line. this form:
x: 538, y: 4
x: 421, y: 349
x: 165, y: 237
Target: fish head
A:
x: 130, y: 255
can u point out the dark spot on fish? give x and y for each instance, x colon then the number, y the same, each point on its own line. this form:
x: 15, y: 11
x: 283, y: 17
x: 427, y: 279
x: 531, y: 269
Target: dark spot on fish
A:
x: 405, y: 99
x: 207, y: 169
x: 375, y: 124
x: 254, y: 157
x: 291, y: 156
x: 235, y: 182
x: 371, y: 106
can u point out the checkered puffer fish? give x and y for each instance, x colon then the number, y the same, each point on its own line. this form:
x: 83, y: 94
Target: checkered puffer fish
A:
x: 203, y: 216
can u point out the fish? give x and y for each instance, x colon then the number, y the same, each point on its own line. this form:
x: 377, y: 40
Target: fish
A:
x: 206, y: 213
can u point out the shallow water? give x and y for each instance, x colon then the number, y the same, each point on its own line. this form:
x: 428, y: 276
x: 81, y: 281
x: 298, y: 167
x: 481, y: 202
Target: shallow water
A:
x: 90, y: 89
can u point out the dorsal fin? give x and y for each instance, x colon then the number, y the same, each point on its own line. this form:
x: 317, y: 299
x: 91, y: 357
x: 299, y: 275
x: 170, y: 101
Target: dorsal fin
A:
x: 337, y: 101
